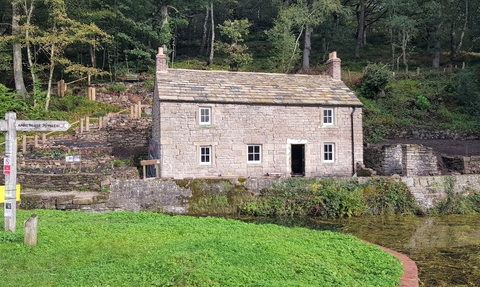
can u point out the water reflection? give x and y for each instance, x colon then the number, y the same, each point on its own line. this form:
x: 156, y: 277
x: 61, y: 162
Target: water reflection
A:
x: 446, y: 249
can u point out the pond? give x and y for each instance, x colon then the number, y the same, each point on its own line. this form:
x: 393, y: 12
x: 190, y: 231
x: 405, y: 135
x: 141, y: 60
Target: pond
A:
x: 445, y: 248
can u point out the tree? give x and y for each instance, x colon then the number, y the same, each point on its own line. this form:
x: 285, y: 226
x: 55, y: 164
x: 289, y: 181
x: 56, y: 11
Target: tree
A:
x: 64, y: 31
x: 235, y: 31
x: 292, y: 22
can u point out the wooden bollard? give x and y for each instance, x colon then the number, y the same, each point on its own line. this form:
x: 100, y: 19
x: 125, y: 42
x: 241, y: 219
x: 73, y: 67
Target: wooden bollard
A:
x: 35, y: 140
x: 44, y: 139
x: 100, y: 123
x: 132, y: 112
x: 87, y: 124
x: 24, y: 143
x: 30, y: 228
x: 81, y: 125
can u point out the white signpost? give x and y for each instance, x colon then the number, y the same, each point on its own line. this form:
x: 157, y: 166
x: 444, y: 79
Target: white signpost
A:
x: 11, y: 126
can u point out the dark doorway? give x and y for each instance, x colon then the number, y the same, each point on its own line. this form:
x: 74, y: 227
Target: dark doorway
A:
x: 298, y: 159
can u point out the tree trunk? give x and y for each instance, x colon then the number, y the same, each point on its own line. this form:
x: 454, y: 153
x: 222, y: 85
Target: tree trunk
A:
x: 212, y: 44
x: 164, y: 12
x: 462, y: 35
x: 436, y: 55
x: 17, y: 52
x: 93, y: 57
x: 28, y: 12
x: 405, y: 38
x: 204, y: 35
x: 307, y: 48
x: 50, y: 76
x: 360, y: 27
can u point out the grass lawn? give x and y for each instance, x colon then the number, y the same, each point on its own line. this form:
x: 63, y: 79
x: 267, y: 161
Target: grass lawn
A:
x: 149, y: 249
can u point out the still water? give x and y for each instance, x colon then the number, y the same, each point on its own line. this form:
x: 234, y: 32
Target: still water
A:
x: 445, y: 248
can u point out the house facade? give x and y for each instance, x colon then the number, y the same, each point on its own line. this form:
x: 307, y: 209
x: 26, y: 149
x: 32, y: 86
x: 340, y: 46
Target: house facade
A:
x: 218, y: 123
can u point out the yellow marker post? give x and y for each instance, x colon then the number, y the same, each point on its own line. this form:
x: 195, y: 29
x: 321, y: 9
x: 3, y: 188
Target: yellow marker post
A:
x: 2, y: 193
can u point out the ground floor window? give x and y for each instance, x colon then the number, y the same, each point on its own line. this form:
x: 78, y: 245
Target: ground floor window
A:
x: 254, y: 153
x: 328, y: 152
x: 205, y: 155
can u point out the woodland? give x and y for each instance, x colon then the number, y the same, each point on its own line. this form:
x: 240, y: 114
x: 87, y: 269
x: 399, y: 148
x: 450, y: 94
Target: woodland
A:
x: 416, y: 57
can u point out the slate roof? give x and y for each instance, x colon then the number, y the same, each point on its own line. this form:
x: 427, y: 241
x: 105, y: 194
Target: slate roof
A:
x: 182, y: 85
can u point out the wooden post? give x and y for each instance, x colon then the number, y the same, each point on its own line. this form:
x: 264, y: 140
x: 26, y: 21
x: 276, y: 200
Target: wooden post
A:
x: 89, y: 78
x: 418, y: 71
x: 100, y: 123
x: 61, y: 87
x: 24, y: 144
x: 463, y: 65
x: 132, y: 112
x: 92, y: 94
x: 44, y: 139
x: 87, y: 124
x: 81, y: 125
x: 30, y: 228
x: 139, y: 110
x: 35, y: 140
x: 10, y: 204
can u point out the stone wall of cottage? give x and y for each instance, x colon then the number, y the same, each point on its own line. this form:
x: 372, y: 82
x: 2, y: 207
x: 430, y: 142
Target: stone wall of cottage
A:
x: 401, y: 159
x: 275, y: 128
x: 462, y: 164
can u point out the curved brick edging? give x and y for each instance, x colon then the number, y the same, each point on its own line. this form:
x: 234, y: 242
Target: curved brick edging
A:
x: 410, y: 271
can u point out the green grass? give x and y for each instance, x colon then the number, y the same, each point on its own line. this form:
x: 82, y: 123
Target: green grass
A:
x: 149, y: 249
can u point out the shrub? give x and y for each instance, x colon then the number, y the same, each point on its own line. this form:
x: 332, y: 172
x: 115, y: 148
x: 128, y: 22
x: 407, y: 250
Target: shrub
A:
x: 332, y: 198
x: 10, y: 102
x: 116, y: 88
x: 374, y: 80
x: 467, y: 91
x: 422, y: 103
x: 388, y: 197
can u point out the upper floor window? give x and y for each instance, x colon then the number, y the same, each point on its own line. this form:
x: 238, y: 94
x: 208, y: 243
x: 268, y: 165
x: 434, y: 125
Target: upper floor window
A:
x: 205, y: 114
x: 254, y: 153
x: 328, y: 116
x: 328, y: 152
x: 205, y: 155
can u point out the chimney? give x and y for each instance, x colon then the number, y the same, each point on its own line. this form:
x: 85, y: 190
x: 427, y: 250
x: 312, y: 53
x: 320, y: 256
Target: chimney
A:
x: 161, y: 61
x: 334, y: 66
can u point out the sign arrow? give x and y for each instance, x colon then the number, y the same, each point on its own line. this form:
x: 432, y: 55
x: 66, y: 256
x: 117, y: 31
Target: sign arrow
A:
x: 51, y: 126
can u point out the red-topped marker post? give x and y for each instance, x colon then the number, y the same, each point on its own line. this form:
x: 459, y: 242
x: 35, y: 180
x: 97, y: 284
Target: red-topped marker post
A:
x: 11, y: 126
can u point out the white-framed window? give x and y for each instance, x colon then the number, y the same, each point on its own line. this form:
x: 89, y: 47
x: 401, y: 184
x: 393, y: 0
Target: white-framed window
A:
x: 205, y: 155
x: 328, y: 117
x: 328, y: 152
x: 254, y: 153
x: 205, y: 115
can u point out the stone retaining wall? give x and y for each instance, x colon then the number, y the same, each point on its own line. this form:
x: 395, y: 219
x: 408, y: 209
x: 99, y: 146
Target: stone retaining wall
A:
x: 138, y: 195
x: 462, y: 164
x: 73, y: 181
x: 401, y: 159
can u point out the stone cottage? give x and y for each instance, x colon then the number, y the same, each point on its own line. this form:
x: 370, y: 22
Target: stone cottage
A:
x: 219, y: 123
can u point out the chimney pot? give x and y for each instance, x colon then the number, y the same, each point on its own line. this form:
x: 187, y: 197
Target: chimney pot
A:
x: 334, y: 69
x: 161, y: 61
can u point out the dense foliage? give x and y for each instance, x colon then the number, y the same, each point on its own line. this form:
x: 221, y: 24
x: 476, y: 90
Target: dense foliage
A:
x: 332, y: 198
x: 149, y: 249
